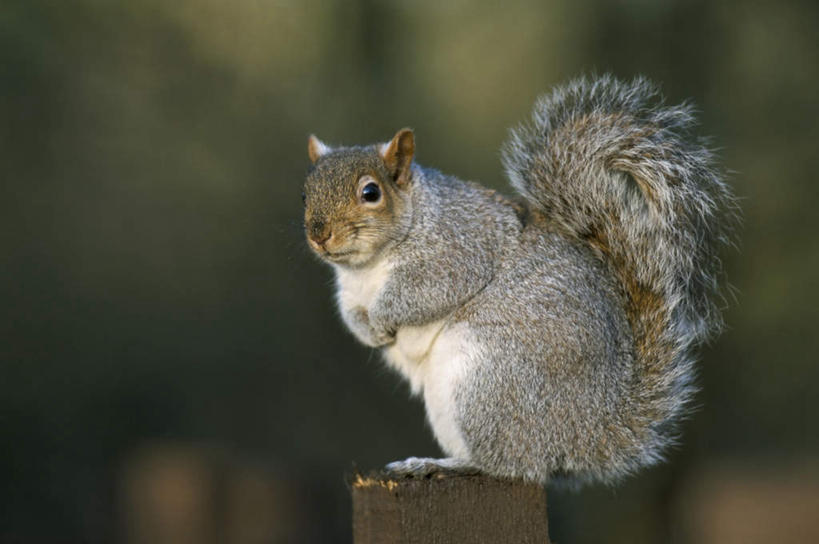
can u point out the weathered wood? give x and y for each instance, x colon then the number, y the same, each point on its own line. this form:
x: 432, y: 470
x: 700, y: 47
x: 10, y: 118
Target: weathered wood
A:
x: 447, y: 508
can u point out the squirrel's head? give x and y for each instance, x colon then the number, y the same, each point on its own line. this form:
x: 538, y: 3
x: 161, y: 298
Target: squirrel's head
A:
x: 357, y: 199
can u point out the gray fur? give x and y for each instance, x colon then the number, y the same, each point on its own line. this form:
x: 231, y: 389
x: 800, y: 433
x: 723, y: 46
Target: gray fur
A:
x: 584, y: 302
x: 452, y: 253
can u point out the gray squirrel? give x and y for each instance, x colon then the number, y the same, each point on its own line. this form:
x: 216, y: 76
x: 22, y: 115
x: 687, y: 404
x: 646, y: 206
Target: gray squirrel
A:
x: 548, y: 334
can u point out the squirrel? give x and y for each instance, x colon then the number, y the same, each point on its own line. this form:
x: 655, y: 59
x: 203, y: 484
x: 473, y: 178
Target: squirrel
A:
x: 551, y: 334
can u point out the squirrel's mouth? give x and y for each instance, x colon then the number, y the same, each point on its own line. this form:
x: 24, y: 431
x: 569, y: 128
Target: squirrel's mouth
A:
x: 330, y: 255
x: 337, y: 256
x: 340, y: 252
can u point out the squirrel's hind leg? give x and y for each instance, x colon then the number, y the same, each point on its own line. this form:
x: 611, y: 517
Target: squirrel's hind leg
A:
x: 422, y: 467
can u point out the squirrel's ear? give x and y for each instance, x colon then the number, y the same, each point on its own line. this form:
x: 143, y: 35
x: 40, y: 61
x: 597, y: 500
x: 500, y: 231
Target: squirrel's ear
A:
x: 397, y: 154
x: 316, y: 148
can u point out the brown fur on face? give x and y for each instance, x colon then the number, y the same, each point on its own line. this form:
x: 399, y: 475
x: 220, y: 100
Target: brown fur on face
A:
x: 352, y: 231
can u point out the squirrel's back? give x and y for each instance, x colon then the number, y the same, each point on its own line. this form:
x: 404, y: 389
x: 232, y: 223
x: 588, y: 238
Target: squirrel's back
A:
x: 614, y: 169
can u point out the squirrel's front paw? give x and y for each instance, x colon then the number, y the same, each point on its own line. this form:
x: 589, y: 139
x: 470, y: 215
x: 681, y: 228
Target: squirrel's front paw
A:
x: 382, y: 338
x: 370, y: 335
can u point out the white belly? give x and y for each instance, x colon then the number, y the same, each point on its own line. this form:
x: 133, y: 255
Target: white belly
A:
x: 435, y: 358
x: 410, y: 353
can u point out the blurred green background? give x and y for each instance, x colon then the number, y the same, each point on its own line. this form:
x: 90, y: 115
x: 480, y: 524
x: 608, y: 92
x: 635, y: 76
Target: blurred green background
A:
x: 173, y: 369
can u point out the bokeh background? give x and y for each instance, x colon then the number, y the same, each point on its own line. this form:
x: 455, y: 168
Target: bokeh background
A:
x: 172, y: 366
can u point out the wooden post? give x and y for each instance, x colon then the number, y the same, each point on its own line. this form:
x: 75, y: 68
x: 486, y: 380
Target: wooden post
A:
x: 447, y: 508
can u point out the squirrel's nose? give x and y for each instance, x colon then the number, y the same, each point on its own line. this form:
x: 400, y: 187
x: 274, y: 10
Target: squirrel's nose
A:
x: 320, y: 239
x: 319, y: 232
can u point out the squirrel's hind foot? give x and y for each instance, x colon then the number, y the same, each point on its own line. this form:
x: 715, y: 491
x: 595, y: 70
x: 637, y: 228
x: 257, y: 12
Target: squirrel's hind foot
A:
x: 426, y: 467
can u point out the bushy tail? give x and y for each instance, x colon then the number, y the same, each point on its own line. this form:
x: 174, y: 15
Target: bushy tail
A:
x: 616, y: 169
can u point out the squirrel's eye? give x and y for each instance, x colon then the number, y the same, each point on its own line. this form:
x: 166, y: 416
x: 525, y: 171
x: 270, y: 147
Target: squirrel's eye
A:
x: 371, y: 193
x: 303, y: 198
